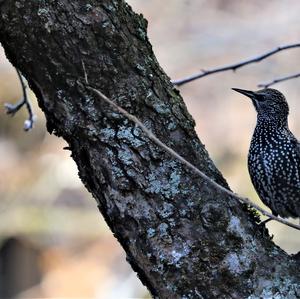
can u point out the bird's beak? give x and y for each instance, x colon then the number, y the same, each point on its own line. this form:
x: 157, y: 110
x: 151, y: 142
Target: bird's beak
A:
x: 247, y: 93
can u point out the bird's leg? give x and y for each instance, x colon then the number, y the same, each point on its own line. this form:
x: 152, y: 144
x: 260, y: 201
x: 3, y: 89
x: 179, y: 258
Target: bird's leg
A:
x: 263, y: 229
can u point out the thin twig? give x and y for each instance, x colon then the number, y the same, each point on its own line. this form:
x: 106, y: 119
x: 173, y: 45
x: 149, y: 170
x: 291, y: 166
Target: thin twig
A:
x: 184, y: 161
x: 234, y: 66
x: 14, y: 108
x: 84, y: 72
x: 278, y: 80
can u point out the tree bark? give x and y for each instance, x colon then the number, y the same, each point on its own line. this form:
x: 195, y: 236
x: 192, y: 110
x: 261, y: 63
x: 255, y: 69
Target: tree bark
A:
x: 183, y: 237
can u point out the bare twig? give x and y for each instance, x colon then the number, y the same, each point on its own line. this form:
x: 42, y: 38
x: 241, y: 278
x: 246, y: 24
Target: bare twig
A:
x: 234, y: 66
x: 12, y: 109
x: 183, y: 160
x: 84, y: 72
x: 278, y: 80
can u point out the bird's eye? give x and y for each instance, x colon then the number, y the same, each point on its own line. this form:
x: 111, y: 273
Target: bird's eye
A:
x: 260, y: 98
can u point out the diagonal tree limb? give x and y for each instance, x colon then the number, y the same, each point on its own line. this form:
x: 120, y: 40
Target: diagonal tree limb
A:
x: 234, y: 66
x: 174, y: 154
x: 184, y: 238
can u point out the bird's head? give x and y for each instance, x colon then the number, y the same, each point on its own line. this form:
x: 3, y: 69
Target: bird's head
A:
x: 269, y: 103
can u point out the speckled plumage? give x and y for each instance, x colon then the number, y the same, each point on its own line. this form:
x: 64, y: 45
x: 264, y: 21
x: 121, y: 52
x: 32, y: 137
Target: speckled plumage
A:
x: 274, y: 155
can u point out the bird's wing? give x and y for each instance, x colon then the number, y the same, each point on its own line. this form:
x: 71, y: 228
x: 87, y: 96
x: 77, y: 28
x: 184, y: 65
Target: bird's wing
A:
x: 297, y: 143
x: 294, y: 141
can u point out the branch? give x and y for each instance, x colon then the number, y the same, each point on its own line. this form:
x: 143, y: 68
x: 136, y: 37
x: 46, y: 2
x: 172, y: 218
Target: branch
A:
x: 12, y: 109
x: 234, y: 66
x: 175, y: 155
x: 278, y: 80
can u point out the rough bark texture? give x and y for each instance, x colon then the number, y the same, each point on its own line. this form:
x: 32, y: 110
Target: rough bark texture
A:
x: 184, y: 238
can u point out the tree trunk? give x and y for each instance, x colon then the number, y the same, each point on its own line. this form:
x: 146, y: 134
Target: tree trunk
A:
x: 183, y: 237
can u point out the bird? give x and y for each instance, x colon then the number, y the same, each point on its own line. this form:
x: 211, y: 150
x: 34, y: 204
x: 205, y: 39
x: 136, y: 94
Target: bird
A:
x: 274, y: 154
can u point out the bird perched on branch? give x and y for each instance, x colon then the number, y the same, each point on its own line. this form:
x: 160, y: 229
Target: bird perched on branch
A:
x: 274, y: 154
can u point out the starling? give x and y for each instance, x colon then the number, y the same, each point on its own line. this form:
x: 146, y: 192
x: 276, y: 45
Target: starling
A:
x: 274, y: 154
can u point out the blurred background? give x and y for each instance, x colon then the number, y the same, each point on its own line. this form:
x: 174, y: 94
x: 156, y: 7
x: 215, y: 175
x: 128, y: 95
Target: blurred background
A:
x: 53, y: 241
